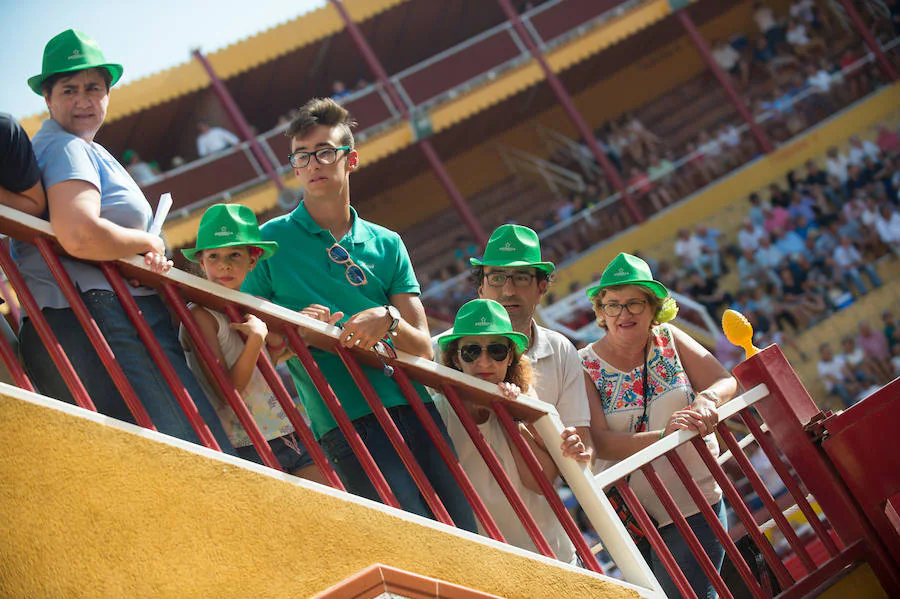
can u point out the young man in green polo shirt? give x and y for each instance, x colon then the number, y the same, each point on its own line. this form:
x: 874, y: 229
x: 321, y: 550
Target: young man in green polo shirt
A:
x: 512, y: 273
x: 338, y: 268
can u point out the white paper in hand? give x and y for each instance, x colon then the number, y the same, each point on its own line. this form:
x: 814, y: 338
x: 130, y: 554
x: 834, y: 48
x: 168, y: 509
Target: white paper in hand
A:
x: 162, y: 211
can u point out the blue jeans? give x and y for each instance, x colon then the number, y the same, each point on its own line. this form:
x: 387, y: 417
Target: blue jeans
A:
x: 351, y: 473
x: 853, y: 276
x: 132, y: 356
x: 683, y: 556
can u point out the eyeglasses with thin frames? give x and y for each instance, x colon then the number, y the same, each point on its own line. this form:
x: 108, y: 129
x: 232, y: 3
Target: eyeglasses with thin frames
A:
x: 519, y: 279
x: 355, y: 275
x: 634, y: 308
x: 324, y: 156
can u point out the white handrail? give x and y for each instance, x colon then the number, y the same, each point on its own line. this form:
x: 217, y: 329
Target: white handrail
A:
x: 747, y: 440
x: 554, y: 176
x: 613, y: 535
x: 790, y: 511
x: 634, y: 462
x: 572, y: 148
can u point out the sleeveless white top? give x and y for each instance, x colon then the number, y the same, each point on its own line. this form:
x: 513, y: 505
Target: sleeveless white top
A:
x: 259, y: 399
x: 623, y: 403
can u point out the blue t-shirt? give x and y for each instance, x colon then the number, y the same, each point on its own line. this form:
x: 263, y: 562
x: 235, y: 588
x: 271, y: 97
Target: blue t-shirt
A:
x: 790, y: 243
x: 66, y: 157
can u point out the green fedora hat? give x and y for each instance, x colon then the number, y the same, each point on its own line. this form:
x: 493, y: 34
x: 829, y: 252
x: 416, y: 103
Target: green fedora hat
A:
x: 229, y: 225
x: 72, y: 51
x: 513, y: 245
x: 626, y: 269
x: 483, y: 318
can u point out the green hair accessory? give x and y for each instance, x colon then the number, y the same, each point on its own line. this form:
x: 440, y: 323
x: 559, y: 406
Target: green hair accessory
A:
x: 667, y: 311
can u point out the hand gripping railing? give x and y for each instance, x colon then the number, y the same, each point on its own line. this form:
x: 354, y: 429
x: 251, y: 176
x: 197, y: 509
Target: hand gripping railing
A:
x: 177, y: 287
x: 780, y: 401
x: 786, y: 430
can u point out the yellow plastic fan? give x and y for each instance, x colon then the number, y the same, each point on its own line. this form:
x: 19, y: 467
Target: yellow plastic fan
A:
x: 739, y: 331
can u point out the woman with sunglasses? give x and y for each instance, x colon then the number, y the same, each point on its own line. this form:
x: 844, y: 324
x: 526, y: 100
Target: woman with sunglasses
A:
x: 483, y: 344
x: 646, y: 379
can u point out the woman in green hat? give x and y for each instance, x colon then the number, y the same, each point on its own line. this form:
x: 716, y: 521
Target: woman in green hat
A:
x: 484, y: 345
x: 98, y: 213
x: 646, y: 379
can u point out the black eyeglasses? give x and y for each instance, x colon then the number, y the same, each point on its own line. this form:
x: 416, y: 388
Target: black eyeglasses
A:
x: 634, y: 308
x: 495, y: 351
x: 519, y: 279
x: 355, y: 275
x: 324, y: 156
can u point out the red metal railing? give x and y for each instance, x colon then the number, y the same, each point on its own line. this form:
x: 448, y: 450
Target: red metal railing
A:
x: 178, y: 287
x: 774, y: 393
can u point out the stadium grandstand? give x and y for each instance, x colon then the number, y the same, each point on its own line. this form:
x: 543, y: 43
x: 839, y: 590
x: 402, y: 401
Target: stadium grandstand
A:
x: 748, y: 150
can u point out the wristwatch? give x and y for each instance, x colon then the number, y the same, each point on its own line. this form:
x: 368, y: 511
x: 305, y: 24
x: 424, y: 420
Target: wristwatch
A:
x: 394, y: 313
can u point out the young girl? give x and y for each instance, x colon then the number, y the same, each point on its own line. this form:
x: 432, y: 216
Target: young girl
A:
x: 484, y: 345
x: 228, y: 248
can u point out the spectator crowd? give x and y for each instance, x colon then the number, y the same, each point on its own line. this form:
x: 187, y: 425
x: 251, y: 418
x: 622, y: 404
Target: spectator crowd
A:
x: 795, y: 70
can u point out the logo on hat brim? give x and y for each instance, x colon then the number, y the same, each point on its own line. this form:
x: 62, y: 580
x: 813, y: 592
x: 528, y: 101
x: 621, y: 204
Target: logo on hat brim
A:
x: 483, y: 318
x: 513, y: 245
x: 234, y: 222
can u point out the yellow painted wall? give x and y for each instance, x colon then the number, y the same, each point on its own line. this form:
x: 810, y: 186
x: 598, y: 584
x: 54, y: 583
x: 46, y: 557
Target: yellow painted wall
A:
x: 88, y: 510
x: 861, y: 583
x: 736, y: 187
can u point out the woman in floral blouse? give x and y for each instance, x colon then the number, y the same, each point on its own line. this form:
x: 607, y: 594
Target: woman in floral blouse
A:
x: 645, y: 380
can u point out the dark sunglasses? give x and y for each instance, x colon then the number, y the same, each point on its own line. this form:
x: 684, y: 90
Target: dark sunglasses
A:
x: 355, y: 275
x: 495, y: 351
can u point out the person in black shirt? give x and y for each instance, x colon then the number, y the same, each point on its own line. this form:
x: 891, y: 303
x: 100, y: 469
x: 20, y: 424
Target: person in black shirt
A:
x: 857, y: 178
x: 804, y: 304
x: 706, y: 291
x: 895, y: 16
x: 815, y: 175
x: 20, y: 177
x: 778, y: 196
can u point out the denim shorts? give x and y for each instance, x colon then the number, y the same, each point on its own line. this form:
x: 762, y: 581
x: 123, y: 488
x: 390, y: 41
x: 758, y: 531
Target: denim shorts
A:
x: 289, y: 451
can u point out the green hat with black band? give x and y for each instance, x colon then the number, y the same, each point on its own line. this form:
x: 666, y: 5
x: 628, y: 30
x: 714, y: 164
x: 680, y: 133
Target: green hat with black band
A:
x: 483, y: 318
x: 626, y: 269
x: 229, y: 225
x: 69, y: 52
x: 511, y: 246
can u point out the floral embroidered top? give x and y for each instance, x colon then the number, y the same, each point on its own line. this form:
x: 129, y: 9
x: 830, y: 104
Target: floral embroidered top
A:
x: 622, y: 395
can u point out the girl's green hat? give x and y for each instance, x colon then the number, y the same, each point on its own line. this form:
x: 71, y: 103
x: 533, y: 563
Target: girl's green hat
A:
x: 626, y: 269
x: 483, y: 318
x: 69, y: 52
x: 229, y: 225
